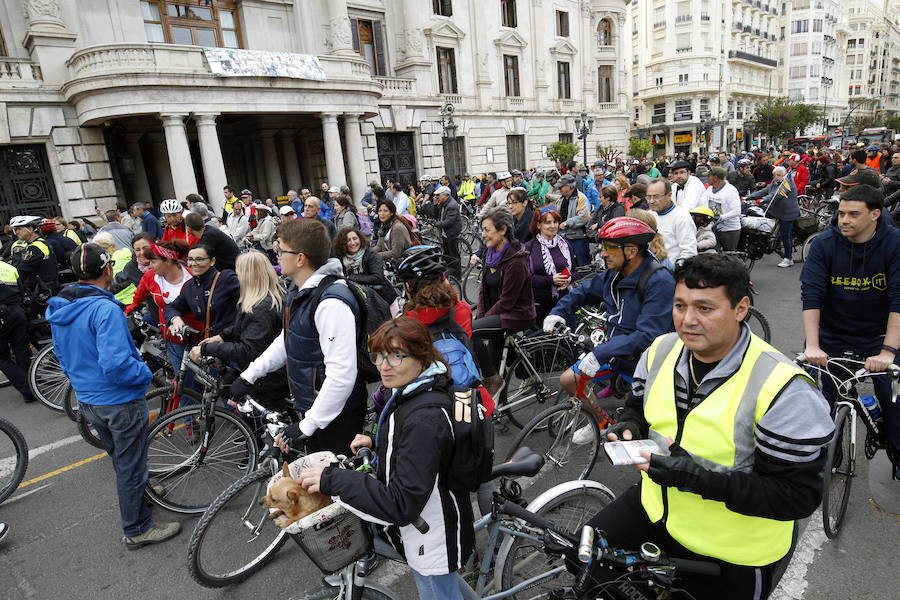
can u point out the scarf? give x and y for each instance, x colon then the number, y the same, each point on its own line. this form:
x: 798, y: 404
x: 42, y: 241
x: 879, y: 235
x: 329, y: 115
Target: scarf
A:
x: 142, y: 268
x: 492, y: 257
x: 353, y: 262
x: 549, y: 265
x: 164, y: 252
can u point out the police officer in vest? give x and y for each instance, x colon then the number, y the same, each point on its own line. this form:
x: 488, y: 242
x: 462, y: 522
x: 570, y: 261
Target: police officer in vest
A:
x: 13, y: 332
x: 36, y: 261
x: 741, y: 431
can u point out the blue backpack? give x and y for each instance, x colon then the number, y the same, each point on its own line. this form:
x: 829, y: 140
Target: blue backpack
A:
x: 453, y: 343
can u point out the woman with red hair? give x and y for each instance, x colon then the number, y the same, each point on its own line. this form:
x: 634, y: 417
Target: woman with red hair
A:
x: 550, y: 259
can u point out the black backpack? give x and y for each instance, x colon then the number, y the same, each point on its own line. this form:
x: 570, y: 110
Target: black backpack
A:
x: 373, y: 311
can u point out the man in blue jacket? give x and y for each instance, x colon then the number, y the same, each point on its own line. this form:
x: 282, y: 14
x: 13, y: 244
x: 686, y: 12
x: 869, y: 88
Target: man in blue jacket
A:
x: 149, y: 223
x: 851, y: 297
x: 99, y: 358
x: 637, y: 293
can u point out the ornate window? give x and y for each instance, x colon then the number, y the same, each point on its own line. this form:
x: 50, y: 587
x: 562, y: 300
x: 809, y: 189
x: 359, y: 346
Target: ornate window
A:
x: 446, y: 59
x: 191, y: 23
x: 511, y: 74
x: 563, y: 81
x: 604, y: 32
x: 443, y: 7
x: 605, y: 84
x: 562, y: 23
x: 368, y: 40
x: 508, y: 13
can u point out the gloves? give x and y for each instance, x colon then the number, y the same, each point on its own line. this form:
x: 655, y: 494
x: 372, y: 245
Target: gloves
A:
x: 551, y: 321
x: 680, y: 471
x: 292, y: 433
x: 380, y: 398
x: 589, y: 365
x: 621, y: 427
x: 240, y: 387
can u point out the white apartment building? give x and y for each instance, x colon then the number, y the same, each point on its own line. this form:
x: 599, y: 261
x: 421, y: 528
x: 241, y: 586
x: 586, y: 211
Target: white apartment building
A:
x: 139, y: 100
x: 872, y: 58
x: 700, y: 68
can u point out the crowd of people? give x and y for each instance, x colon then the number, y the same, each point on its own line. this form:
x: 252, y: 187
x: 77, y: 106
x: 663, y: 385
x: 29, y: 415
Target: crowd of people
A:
x: 269, y: 290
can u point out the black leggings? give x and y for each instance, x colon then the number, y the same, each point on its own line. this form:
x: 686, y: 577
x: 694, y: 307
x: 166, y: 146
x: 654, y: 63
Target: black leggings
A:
x: 627, y: 526
x: 487, y: 342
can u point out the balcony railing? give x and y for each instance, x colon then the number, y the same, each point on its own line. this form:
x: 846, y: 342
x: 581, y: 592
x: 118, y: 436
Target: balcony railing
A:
x: 683, y: 50
x: 659, y: 24
x: 737, y: 25
x: 606, y: 49
x: 739, y: 55
x: 395, y: 86
x: 16, y: 69
x: 684, y: 18
x: 658, y: 119
x: 704, y: 16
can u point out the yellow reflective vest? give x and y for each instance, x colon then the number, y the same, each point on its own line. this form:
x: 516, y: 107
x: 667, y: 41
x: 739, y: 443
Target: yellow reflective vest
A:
x: 69, y: 233
x: 9, y: 275
x: 719, y: 434
x: 120, y: 258
x: 467, y: 190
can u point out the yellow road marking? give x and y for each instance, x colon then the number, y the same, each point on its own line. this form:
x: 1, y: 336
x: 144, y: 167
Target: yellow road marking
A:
x: 62, y: 470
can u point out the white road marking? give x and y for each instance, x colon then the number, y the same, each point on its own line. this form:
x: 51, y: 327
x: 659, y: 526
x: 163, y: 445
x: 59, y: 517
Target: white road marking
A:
x: 793, y: 584
x: 18, y: 497
x: 8, y: 464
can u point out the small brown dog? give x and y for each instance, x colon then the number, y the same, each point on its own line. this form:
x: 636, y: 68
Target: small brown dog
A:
x: 291, y: 500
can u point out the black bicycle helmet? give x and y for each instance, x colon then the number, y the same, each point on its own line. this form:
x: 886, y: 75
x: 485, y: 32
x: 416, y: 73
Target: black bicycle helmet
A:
x: 420, y: 262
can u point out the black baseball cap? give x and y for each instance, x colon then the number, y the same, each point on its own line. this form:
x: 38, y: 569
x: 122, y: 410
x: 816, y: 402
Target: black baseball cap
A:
x: 680, y: 164
x: 89, y: 260
x: 862, y: 176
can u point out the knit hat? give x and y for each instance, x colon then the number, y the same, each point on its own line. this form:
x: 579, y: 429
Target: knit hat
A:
x: 88, y: 261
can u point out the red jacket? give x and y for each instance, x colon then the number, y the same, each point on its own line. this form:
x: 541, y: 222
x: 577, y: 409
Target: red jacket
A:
x: 149, y: 286
x: 180, y: 233
x: 462, y: 314
x: 801, y: 177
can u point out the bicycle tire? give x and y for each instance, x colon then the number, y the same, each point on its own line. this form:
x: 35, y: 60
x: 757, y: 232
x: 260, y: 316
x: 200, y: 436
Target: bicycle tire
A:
x: 471, y: 284
x: 334, y: 592
x: 71, y: 404
x: 550, y: 434
x: 807, y: 244
x: 46, y: 379
x: 758, y: 324
x: 526, y: 392
x: 12, y: 445
x: 570, y: 510
x: 173, y: 446
x: 211, y: 551
x: 87, y: 432
x: 838, y: 474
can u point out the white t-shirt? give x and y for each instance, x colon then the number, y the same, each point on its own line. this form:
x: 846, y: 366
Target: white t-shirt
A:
x: 726, y: 203
x: 678, y: 231
x: 170, y: 291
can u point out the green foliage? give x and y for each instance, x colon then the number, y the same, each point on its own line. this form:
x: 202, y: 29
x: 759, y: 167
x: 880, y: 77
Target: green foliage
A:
x: 639, y: 148
x: 893, y: 123
x: 562, y: 152
x: 785, y: 118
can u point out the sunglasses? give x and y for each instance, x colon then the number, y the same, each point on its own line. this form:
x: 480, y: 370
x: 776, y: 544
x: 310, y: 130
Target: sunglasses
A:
x: 545, y: 209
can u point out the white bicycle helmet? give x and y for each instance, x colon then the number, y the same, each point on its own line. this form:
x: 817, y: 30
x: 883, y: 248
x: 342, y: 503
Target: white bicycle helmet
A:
x: 169, y: 206
x: 25, y: 221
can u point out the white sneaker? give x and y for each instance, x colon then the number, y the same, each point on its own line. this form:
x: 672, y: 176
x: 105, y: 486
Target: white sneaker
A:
x: 785, y: 263
x: 584, y: 435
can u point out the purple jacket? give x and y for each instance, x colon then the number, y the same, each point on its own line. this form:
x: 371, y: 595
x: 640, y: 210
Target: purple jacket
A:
x: 541, y: 282
x: 516, y: 303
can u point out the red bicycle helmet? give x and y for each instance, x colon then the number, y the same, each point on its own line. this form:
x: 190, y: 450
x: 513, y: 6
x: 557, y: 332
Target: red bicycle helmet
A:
x: 627, y: 230
x: 48, y: 225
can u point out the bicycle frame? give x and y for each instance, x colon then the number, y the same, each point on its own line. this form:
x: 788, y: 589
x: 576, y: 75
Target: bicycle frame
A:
x: 518, y: 344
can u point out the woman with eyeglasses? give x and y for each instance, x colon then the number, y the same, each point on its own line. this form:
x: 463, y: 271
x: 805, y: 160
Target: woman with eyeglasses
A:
x: 361, y: 263
x: 550, y: 259
x: 414, y: 446
x: 517, y: 201
x: 610, y: 207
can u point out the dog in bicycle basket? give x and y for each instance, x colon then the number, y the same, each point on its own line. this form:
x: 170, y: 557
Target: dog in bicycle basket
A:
x: 332, y: 537
x: 291, y: 501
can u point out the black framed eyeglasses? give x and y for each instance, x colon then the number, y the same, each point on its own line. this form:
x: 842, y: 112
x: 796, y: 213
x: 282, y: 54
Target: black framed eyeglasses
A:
x: 393, y: 358
x: 276, y: 248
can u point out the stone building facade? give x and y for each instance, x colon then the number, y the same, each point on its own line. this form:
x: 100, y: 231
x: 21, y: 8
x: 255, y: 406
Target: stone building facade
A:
x: 115, y: 102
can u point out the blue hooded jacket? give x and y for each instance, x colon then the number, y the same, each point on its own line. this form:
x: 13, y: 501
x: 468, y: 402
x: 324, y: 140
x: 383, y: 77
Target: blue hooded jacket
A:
x: 634, y: 325
x: 855, y: 286
x: 94, y: 347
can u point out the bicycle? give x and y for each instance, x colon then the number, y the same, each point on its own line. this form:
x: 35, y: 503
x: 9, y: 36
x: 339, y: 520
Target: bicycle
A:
x: 522, y: 561
x: 840, y: 463
x: 13, y: 458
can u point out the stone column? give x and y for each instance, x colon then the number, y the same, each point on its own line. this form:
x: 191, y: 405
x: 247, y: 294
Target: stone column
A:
x: 334, y: 156
x: 339, y: 37
x: 259, y: 163
x: 355, y: 161
x: 48, y: 41
x: 274, y: 185
x: 164, y: 186
x: 140, y: 185
x: 180, y: 162
x: 291, y: 162
x: 211, y: 158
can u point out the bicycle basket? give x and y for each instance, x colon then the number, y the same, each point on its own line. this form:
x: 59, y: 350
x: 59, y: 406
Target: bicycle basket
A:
x: 805, y: 226
x: 332, y: 537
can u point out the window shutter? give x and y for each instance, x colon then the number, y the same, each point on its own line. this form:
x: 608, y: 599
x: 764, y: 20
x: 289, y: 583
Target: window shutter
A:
x: 354, y: 33
x: 379, y: 48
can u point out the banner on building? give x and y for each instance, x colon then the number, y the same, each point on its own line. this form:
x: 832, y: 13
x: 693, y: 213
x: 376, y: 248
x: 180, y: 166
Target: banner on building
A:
x: 658, y: 140
x: 684, y: 138
x: 231, y: 62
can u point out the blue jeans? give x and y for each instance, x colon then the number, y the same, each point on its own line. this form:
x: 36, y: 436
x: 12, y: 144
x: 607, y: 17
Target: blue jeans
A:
x: 123, y: 430
x: 787, y: 238
x: 438, y: 587
x: 582, y: 250
x: 175, y: 352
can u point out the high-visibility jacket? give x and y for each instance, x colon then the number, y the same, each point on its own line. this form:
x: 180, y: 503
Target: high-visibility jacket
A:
x: 9, y: 284
x: 467, y: 190
x: 719, y: 434
x: 69, y: 233
x: 121, y: 258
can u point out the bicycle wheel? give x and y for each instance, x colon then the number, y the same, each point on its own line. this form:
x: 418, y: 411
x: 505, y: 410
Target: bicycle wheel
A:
x: 532, y: 380
x: 334, y: 592
x: 568, y: 437
x: 46, y: 379
x: 13, y: 458
x: 71, y: 404
x: 471, y: 284
x: 569, y: 510
x: 839, y: 467
x: 235, y: 537
x: 87, y: 431
x: 191, y: 459
x: 758, y: 324
x: 807, y: 244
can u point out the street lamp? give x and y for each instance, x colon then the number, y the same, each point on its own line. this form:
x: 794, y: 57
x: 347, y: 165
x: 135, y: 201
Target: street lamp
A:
x: 447, y: 124
x: 826, y: 83
x: 583, y: 127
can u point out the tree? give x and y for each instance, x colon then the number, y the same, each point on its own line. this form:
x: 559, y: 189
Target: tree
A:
x: 893, y: 123
x: 562, y: 152
x: 783, y: 118
x: 639, y: 148
x: 608, y: 153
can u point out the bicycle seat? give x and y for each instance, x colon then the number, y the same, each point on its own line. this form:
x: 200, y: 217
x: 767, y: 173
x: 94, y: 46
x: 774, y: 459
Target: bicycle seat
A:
x: 524, y: 461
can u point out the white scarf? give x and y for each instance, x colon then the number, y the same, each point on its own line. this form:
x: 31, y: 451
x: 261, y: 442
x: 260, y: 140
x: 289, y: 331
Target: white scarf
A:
x: 546, y: 246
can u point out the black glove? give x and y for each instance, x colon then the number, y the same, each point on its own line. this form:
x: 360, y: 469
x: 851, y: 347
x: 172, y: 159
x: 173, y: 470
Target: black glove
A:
x: 240, y: 387
x: 680, y: 471
x: 620, y: 427
x: 292, y: 433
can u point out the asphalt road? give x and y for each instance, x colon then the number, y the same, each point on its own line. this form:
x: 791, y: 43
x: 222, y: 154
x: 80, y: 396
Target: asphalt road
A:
x: 65, y: 538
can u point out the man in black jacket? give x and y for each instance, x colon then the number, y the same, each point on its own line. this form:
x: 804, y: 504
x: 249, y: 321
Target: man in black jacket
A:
x: 220, y: 243
x: 450, y: 225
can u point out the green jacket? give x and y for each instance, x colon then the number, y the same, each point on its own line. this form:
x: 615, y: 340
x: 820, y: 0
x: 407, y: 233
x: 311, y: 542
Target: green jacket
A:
x: 538, y: 189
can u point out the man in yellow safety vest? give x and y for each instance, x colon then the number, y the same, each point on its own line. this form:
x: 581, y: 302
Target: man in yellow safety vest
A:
x: 741, y: 431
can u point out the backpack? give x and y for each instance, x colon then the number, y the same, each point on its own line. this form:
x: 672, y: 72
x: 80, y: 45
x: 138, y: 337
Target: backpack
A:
x: 373, y: 311
x: 473, y: 440
x: 365, y: 223
x: 453, y: 343
x: 652, y: 268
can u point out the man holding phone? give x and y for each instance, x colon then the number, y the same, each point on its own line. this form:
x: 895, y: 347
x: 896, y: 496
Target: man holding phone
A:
x: 750, y: 427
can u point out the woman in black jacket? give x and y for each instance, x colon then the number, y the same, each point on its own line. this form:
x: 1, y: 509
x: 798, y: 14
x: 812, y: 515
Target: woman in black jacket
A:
x: 361, y: 263
x: 610, y: 207
x: 211, y: 295
x: 259, y: 322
